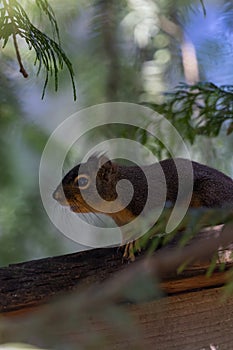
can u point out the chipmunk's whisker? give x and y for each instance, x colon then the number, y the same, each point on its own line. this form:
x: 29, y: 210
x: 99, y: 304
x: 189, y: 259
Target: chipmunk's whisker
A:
x: 98, y: 218
x: 80, y: 204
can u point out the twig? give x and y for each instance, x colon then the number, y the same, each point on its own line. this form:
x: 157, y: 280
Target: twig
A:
x: 22, y: 69
x: 19, y: 59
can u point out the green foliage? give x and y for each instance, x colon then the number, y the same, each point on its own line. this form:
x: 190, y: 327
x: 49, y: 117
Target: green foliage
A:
x: 25, y: 232
x: 35, y: 138
x: 49, y: 54
x: 23, y: 227
x: 194, y: 221
x: 199, y: 109
x: 228, y: 288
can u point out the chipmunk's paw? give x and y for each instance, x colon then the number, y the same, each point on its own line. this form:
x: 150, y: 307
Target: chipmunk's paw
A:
x: 130, y: 249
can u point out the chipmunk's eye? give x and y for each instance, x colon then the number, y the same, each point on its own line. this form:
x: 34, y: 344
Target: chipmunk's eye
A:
x: 82, y: 181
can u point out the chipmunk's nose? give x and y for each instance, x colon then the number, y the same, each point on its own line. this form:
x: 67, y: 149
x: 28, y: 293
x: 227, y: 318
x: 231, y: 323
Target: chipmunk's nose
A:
x: 59, y: 196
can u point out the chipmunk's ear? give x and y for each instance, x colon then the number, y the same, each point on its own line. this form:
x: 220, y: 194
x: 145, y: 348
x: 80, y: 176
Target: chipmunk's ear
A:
x: 106, y: 167
x: 103, y: 164
x: 96, y: 156
x: 98, y: 160
x: 103, y: 160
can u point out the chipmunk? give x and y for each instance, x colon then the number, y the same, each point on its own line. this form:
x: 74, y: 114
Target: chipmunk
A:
x: 211, y: 188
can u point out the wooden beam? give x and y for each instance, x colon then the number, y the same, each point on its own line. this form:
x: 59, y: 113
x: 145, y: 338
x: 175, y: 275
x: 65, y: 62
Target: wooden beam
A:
x: 32, y: 283
x: 189, y: 321
x: 184, y: 320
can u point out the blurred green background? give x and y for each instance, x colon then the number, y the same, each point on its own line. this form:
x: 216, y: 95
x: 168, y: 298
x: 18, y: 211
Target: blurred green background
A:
x: 131, y: 51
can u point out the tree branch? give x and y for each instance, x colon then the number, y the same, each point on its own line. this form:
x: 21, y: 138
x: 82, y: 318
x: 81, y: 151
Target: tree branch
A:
x: 22, y: 69
x: 29, y: 284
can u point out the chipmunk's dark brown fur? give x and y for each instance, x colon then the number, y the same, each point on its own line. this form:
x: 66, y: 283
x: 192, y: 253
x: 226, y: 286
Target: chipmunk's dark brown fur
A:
x: 211, y: 188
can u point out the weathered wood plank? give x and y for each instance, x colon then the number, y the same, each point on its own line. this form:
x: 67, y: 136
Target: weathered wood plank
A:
x: 191, y: 321
x: 188, y: 321
x: 32, y: 283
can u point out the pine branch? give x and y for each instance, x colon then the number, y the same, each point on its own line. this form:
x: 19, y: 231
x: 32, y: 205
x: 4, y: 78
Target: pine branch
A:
x: 199, y: 109
x: 47, y: 9
x: 49, y: 54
